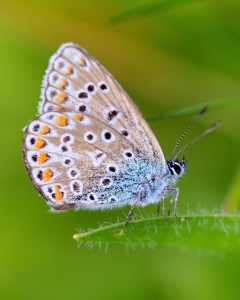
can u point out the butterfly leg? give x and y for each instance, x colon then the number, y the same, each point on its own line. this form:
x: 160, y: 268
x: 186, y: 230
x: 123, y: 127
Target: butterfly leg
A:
x: 132, y: 208
x: 175, y: 192
x: 163, y: 197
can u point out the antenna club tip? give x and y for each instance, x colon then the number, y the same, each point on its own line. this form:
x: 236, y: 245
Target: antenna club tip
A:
x: 215, y: 125
x: 205, y: 107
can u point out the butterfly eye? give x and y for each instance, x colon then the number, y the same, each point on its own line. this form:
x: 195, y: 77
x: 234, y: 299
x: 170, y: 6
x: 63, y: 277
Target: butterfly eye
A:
x: 176, y: 167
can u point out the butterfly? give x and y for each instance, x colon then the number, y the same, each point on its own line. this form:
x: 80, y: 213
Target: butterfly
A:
x: 90, y: 147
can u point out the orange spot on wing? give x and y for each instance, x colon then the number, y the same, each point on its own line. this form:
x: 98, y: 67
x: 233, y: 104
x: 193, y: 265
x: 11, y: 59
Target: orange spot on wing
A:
x: 61, y: 97
x: 58, y: 193
x: 61, y: 120
x: 47, y: 175
x: 42, y: 158
x: 69, y: 70
x: 63, y: 84
x: 40, y: 143
x: 82, y: 62
x: 78, y: 117
x: 45, y: 129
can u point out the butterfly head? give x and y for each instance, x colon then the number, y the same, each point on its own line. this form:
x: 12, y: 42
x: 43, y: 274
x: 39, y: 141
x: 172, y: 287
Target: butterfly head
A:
x: 176, y: 167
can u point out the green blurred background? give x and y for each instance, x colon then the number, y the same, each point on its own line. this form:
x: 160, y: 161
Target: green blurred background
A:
x: 167, y: 55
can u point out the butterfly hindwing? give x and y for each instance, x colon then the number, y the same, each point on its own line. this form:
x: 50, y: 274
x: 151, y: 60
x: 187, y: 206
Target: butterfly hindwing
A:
x: 69, y: 154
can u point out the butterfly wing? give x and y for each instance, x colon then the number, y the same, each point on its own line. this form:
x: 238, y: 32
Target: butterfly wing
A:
x: 83, y: 148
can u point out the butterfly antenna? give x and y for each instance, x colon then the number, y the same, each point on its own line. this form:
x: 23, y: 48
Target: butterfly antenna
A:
x: 189, y: 127
x: 210, y: 129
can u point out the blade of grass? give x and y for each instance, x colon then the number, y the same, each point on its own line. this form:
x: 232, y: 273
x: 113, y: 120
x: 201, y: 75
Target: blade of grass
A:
x: 146, y: 7
x: 193, y: 110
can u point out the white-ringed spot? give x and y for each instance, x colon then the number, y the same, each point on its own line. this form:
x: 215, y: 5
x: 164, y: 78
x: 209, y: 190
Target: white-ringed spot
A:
x: 76, y: 187
x: 112, y: 114
x: 73, y: 173
x: 107, y: 136
x: 103, y: 87
x: 67, y: 138
x: 125, y: 133
x: 128, y: 154
x: 67, y: 162
x: 112, y: 199
x: 82, y: 107
x: 65, y: 148
x: 92, y: 197
x: 84, y: 95
x: 59, y: 63
x: 90, y: 137
x: 48, y: 107
x: 112, y: 169
x: 106, y: 182
x: 90, y: 87
x: 35, y: 127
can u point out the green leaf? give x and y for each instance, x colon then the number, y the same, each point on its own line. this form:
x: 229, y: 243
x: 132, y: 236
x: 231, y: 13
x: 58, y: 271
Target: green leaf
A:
x: 213, y: 232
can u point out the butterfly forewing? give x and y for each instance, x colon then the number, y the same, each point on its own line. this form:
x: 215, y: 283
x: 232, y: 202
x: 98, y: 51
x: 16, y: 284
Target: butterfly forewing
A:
x: 75, y: 81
